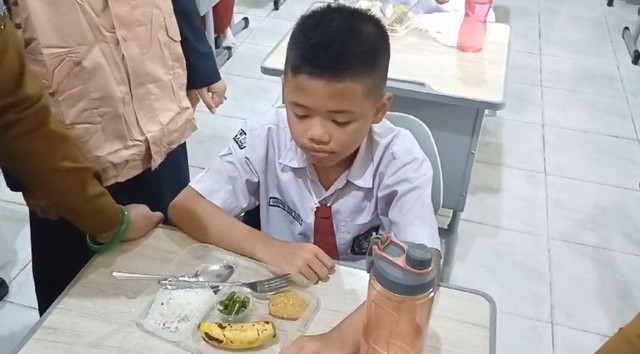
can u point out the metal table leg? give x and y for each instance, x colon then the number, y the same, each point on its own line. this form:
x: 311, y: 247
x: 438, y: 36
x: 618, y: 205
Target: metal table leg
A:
x: 222, y: 54
x: 630, y: 38
x: 240, y: 26
x: 4, y: 288
x: 449, y: 237
x: 278, y: 3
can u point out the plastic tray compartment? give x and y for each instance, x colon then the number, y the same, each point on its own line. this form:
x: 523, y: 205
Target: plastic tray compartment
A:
x: 246, y: 269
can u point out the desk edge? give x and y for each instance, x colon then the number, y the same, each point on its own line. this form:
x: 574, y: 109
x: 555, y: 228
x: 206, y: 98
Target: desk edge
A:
x: 493, y: 322
x: 52, y: 308
x: 38, y: 325
x: 64, y: 294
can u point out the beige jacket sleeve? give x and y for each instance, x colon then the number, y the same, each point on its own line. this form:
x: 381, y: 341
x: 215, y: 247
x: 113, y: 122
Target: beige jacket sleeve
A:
x: 625, y: 341
x: 39, y: 153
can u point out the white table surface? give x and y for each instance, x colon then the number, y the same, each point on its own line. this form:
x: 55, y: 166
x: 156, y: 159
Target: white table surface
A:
x: 97, y: 313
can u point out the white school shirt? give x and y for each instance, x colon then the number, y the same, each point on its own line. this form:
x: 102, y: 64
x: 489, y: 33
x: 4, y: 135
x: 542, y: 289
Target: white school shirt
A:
x: 388, y: 187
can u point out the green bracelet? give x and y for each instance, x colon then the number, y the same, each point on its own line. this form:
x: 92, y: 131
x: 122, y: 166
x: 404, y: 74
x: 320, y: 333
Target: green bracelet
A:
x: 97, y: 246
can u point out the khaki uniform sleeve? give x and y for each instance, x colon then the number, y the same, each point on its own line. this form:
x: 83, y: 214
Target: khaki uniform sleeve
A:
x: 36, y: 150
x: 625, y: 341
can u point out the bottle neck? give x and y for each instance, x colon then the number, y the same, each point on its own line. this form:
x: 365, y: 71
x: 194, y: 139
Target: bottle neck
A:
x: 391, y: 295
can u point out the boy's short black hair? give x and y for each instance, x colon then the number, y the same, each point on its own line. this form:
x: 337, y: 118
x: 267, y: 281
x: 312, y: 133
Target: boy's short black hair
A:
x: 338, y: 42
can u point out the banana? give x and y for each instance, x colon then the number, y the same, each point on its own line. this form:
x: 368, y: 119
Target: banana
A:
x: 237, y: 335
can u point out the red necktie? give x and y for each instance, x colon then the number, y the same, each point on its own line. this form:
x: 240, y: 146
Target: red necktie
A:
x: 324, y: 235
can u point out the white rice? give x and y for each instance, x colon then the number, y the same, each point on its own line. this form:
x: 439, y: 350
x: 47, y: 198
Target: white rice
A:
x: 175, y: 314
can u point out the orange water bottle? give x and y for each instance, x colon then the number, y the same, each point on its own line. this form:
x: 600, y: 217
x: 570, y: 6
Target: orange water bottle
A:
x: 474, y: 26
x: 402, y: 287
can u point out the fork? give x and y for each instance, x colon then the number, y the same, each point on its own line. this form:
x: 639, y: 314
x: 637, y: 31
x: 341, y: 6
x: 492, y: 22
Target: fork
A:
x: 265, y: 286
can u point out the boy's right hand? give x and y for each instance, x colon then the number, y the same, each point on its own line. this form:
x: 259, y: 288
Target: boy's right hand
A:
x: 302, y: 259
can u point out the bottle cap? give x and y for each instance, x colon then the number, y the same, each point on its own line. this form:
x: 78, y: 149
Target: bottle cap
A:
x: 409, y: 273
x: 418, y: 257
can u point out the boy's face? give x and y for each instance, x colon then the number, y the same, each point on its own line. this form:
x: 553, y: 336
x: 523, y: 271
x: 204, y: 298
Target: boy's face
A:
x: 329, y: 120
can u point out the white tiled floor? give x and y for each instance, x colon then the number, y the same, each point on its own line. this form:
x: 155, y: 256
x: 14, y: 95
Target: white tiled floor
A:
x: 553, y: 216
x: 572, y: 341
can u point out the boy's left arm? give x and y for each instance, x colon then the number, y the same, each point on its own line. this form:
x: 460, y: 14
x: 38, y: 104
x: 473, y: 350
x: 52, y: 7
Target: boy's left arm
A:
x: 343, y: 338
x: 404, y: 196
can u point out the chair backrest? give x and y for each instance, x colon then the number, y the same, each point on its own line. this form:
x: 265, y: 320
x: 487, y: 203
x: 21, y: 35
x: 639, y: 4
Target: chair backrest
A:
x: 423, y: 135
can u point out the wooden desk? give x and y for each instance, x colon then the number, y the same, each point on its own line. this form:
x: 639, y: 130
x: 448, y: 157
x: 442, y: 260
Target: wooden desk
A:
x: 97, y: 313
x: 448, y: 90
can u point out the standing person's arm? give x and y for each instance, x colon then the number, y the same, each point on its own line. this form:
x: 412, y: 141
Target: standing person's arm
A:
x: 38, y: 152
x: 203, y: 78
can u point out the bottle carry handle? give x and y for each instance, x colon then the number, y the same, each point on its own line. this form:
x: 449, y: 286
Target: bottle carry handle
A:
x: 380, y: 241
x: 376, y: 240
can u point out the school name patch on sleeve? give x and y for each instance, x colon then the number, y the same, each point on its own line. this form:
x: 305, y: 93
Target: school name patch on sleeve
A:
x: 279, y: 203
x: 241, y: 139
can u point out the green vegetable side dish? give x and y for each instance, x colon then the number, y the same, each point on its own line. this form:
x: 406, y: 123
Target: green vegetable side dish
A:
x: 233, y: 304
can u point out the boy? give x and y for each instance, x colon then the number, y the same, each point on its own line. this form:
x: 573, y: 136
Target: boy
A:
x: 324, y: 173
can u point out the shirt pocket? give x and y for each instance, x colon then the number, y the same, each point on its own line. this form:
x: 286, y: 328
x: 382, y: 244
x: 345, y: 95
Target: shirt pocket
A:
x: 169, y: 62
x: 173, y: 31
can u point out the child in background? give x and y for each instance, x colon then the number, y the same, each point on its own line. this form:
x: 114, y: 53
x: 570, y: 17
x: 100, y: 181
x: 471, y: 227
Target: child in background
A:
x: 326, y: 170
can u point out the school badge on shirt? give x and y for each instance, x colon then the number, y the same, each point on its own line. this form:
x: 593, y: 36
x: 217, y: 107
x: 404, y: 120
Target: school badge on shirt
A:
x: 360, y: 243
x: 241, y: 139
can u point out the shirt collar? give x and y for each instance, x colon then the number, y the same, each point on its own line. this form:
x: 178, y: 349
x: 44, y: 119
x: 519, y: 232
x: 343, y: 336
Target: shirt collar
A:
x: 360, y: 173
x: 293, y: 157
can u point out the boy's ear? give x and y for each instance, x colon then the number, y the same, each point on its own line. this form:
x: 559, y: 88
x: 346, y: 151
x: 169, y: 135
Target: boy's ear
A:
x: 382, y: 107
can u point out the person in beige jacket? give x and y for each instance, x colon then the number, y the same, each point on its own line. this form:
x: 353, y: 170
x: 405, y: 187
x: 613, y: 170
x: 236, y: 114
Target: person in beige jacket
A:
x: 37, y: 151
x: 117, y: 78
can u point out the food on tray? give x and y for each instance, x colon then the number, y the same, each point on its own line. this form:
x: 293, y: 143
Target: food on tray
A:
x: 396, y: 16
x: 174, y: 314
x: 287, y: 305
x: 233, y: 304
x: 237, y: 335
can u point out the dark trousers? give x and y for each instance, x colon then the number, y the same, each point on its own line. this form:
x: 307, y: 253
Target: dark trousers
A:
x: 59, y: 249
x: 252, y: 218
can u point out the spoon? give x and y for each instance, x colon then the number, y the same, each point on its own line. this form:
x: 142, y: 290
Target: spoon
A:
x: 219, y: 273
x: 212, y: 272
